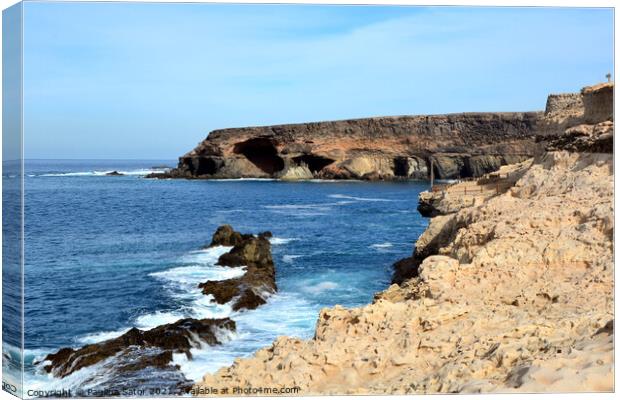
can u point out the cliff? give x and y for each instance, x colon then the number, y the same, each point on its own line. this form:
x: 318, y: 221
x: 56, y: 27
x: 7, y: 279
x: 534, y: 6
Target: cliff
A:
x: 511, y: 291
x: 459, y: 145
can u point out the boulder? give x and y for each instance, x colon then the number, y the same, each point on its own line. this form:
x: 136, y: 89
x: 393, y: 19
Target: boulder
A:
x: 225, y: 235
x: 254, y: 254
x: 161, y: 342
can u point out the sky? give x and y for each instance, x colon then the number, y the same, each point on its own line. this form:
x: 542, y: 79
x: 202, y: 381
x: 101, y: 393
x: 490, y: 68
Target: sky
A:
x: 150, y: 80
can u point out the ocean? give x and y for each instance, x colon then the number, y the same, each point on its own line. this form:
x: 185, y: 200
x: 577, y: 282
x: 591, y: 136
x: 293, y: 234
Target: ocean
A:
x: 107, y: 253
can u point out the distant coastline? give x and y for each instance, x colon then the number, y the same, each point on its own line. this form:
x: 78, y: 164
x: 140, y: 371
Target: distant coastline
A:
x: 381, y: 148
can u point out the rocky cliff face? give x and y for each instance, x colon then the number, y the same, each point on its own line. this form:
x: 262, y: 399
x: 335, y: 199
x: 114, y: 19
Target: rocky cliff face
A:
x: 510, y: 292
x: 459, y: 145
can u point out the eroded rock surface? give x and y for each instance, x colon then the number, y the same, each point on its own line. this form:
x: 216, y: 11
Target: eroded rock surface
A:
x: 521, y: 283
x: 254, y: 254
x: 459, y: 145
x: 512, y: 293
x: 152, y: 348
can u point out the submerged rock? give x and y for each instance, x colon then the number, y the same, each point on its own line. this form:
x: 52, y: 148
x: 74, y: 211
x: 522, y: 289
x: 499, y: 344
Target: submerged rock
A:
x: 114, y: 173
x: 153, y: 348
x: 252, y: 252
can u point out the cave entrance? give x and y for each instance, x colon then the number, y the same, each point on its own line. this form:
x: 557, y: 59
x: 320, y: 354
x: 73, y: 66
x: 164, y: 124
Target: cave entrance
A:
x: 262, y: 153
x: 401, y: 166
x: 315, y: 163
x: 206, y: 166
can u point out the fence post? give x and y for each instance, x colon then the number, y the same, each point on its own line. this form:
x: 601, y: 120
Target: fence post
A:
x: 432, y: 172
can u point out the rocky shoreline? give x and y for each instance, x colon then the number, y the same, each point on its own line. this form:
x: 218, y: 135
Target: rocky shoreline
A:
x: 510, y: 288
x: 510, y: 291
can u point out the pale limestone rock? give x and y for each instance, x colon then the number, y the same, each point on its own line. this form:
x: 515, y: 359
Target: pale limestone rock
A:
x: 296, y: 173
x: 523, y: 283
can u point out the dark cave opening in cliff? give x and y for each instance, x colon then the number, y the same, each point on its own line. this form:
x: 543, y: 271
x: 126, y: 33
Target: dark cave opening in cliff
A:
x: 205, y: 166
x: 401, y: 166
x: 315, y: 163
x: 262, y: 153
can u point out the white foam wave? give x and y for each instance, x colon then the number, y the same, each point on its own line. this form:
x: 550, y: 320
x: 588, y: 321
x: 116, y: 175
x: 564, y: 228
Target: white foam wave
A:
x: 321, y: 287
x: 290, y: 258
x: 207, y: 257
x: 385, y: 245
x: 135, y: 172
x: 343, y: 196
x: 278, y: 240
x: 182, y: 282
x: 195, y: 274
x: 101, y: 336
x: 153, y: 320
x: 284, y: 314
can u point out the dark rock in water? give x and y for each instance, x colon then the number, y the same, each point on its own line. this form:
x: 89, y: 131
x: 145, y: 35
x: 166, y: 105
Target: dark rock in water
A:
x: 152, y: 348
x: 225, y: 235
x: 252, y: 252
x: 222, y: 291
x: 249, y: 300
x: 114, y: 173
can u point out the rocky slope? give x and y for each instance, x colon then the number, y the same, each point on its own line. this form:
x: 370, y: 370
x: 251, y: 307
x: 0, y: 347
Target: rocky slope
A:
x: 459, y: 145
x: 510, y: 293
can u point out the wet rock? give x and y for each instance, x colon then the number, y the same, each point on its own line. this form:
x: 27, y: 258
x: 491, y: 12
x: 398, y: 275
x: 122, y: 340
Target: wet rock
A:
x: 254, y: 254
x: 114, y: 173
x: 158, y: 345
x: 225, y: 235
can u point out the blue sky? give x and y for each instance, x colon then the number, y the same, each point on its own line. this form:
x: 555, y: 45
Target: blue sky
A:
x: 150, y: 80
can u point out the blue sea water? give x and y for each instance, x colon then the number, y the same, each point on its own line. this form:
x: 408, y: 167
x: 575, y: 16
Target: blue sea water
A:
x: 106, y: 253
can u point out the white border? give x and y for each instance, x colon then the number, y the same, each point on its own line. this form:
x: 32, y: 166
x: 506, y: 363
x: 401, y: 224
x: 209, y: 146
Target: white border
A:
x: 485, y: 3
